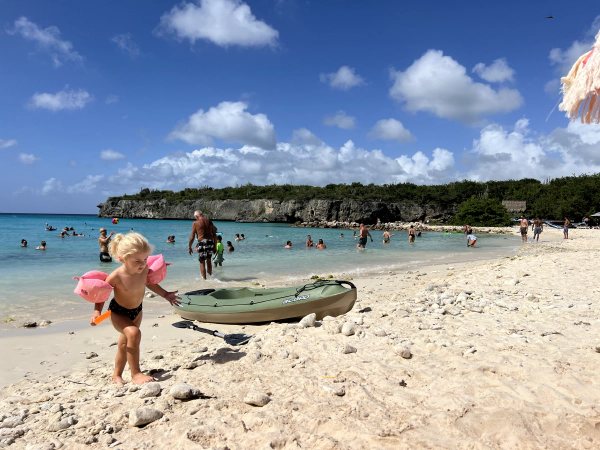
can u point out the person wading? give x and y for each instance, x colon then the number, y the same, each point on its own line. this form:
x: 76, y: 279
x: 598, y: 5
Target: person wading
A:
x: 103, y: 242
x: 206, y: 233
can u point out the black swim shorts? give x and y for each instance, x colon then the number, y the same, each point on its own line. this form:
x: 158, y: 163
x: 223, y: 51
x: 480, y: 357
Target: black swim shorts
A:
x: 105, y: 257
x: 362, y: 241
x: 118, y: 309
x: 524, y: 230
x: 205, y: 249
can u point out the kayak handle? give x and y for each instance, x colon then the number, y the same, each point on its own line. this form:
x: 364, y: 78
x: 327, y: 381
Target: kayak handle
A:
x: 320, y: 283
x: 346, y: 282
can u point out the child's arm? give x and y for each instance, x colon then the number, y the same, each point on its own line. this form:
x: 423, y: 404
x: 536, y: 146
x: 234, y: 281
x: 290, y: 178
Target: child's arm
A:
x: 171, y: 297
x: 97, y: 311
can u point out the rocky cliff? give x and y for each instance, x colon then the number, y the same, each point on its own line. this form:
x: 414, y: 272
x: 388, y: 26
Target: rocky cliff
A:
x: 276, y: 211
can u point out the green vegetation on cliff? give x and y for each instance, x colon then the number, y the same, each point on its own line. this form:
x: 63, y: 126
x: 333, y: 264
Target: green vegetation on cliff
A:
x: 573, y: 197
x: 482, y: 213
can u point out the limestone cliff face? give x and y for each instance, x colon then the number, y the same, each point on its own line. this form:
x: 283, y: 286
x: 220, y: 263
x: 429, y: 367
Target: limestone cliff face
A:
x: 276, y: 211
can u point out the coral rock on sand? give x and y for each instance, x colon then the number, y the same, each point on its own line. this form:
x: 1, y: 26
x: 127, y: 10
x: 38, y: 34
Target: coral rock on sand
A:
x: 11, y: 422
x: 143, y: 416
x: 257, y: 399
x: 347, y: 348
x: 308, y: 321
x: 150, y: 390
x: 349, y: 328
x: 62, y: 424
x: 184, y: 391
x: 340, y: 391
x: 403, y: 351
x: 332, y: 327
x: 379, y: 332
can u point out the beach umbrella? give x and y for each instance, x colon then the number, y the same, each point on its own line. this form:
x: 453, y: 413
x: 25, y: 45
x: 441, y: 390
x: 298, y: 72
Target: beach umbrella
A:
x: 596, y: 215
x: 581, y: 87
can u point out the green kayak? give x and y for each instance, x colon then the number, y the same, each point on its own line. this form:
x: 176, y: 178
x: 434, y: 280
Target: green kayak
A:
x: 245, y: 305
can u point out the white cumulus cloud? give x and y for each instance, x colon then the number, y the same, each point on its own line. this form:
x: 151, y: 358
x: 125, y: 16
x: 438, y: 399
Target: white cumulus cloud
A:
x: 344, y: 78
x: 86, y: 186
x: 499, y: 153
x: 112, y: 99
x: 438, y: 84
x: 341, y: 120
x: 230, y: 122
x: 222, y: 22
x: 127, y: 45
x: 391, y: 129
x: 65, y: 99
x: 314, y: 163
x: 5, y: 143
x: 420, y: 169
x: 497, y: 72
x: 52, y: 185
x: 111, y: 155
x: 27, y: 158
x: 47, y: 40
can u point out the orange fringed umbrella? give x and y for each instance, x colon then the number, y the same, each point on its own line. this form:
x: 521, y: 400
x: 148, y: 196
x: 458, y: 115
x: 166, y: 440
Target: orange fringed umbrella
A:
x: 581, y: 87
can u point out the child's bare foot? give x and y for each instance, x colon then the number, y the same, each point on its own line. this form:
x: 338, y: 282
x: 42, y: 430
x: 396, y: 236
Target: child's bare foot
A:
x: 118, y: 380
x: 140, y: 378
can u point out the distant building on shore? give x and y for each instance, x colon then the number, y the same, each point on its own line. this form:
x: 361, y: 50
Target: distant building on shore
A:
x: 515, y: 206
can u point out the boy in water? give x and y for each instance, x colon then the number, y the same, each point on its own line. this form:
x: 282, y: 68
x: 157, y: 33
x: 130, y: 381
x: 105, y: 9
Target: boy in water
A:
x: 218, y: 259
x: 129, y: 282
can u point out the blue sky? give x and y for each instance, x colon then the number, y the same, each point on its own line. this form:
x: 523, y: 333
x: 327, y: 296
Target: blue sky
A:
x: 105, y: 98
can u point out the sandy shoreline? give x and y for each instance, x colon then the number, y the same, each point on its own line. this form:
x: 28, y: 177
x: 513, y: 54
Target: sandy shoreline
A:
x: 502, y: 356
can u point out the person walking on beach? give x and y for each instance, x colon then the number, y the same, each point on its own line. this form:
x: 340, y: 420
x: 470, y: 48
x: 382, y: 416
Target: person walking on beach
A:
x: 129, y: 282
x: 524, y: 226
x: 206, y: 233
x: 362, y: 236
x: 566, y: 228
x: 538, y: 227
x: 103, y: 242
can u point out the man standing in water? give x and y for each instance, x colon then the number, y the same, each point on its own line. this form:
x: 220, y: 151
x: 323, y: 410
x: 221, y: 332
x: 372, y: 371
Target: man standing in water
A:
x: 206, y: 232
x: 362, y: 235
x: 103, y: 242
x: 538, y: 227
x: 524, y: 227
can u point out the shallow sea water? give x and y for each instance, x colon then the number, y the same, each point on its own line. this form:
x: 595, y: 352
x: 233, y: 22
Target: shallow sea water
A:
x: 38, y: 284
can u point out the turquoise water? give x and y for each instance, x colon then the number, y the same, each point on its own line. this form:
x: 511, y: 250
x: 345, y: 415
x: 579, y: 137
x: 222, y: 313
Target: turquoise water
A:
x: 38, y: 284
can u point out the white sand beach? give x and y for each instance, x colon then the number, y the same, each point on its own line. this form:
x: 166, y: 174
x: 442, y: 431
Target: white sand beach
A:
x: 498, y: 354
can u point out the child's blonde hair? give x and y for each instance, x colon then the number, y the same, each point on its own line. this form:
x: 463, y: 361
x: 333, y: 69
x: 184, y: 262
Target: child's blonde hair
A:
x: 121, y: 246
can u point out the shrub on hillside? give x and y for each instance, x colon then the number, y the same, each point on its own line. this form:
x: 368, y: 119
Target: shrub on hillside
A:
x: 482, y: 213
